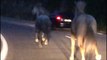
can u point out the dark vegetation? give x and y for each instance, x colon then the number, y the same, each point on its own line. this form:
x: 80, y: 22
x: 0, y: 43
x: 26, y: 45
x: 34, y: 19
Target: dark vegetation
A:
x: 22, y: 8
x: 97, y: 8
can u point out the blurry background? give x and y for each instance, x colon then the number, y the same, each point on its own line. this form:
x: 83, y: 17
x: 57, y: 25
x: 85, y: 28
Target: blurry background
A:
x: 22, y: 9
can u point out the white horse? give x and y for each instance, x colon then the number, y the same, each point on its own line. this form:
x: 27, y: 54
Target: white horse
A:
x: 83, y: 30
x: 42, y: 26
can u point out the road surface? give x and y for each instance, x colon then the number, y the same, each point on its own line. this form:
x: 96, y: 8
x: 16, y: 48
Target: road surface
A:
x: 21, y: 44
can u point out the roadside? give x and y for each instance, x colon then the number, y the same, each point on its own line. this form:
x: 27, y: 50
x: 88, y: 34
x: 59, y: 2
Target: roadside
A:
x: 31, y: 23
x: 17, y: 21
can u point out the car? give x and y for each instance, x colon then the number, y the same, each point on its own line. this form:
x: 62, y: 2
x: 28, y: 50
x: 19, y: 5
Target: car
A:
x: 61, y: 20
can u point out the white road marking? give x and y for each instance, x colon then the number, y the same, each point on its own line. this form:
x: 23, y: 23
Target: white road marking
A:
x: 100, y: 33
x: 67, y: 36
x: 4, y: 49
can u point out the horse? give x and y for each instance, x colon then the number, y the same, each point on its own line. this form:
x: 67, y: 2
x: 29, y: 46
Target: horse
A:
x: 42, y: 26
x: 83, y: 30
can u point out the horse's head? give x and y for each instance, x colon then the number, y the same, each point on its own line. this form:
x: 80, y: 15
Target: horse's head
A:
x: 39, y: 10
x: 36, y: 8
x: 80, y: 6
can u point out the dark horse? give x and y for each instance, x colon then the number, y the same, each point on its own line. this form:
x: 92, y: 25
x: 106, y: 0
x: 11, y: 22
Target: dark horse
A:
x: 83, y: 32
x: 42, y: 26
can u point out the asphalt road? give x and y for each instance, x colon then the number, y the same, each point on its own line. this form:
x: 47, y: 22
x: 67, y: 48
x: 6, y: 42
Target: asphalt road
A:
x: 22, y: 46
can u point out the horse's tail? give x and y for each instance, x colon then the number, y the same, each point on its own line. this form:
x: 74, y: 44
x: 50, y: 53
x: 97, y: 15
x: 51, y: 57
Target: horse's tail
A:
x: 90, y: 39
x: 91, y: 28
x: 92, y: 23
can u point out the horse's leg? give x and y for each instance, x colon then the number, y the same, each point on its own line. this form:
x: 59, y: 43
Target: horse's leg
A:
x: 48, y: 33
x: 81, y: 46
x: 36, y: 32
x: 97, y: 55
x: 72, y: 46
x: 46, y: 39
x: 36, y: 37
x: 40, y: 38
x: 46, y: 42
x: 81, y: 32
x: 94, y: 27
x: 43, y: 36
x: 82, y: 51
x: 48, y: 36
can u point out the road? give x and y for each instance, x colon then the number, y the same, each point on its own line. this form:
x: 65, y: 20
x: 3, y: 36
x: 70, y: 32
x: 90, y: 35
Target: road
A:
x: 21, y: 44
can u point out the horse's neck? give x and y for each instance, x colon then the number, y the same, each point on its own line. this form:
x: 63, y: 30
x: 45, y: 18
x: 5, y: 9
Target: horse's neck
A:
x: 77, y: 13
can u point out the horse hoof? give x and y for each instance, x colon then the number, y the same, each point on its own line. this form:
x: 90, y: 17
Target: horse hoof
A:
x: 40, y: 46
x: 43, y: 39
x: 98, y: 57
x: 46, y: 43
x: 71, y: 58
x: 36, y: 40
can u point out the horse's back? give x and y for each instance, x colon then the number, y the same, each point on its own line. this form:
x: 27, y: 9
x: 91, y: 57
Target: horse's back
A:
x: 82, y: 23
x: 79, y: 25
x: 43, y: 19
x: 43, y: 23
